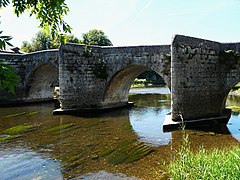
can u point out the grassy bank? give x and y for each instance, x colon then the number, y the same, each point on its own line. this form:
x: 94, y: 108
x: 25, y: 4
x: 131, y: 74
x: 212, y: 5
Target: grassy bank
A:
x: 205, y: 164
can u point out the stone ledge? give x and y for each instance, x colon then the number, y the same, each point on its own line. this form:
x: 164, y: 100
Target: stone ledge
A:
x: 90, y: 110
x: 170, y: 125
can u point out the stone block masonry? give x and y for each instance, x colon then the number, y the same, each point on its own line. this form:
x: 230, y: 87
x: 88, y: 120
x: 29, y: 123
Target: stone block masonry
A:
x: 38, y: 74
x: 94, y: 77
x: 202, y: 72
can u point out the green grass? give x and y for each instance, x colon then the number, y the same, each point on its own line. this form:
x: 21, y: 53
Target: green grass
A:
x: 205, y: 164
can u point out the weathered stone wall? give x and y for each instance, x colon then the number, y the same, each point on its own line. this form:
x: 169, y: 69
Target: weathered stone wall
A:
x: 126, y: 63
x: 38, y: 73
x: 202, y: 75
x: 103, y: 77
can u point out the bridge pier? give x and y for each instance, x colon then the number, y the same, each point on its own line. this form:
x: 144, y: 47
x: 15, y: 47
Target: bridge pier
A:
x: 202, y: 74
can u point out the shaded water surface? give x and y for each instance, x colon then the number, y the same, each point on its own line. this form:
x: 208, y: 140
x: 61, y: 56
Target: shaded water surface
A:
x: 34, y: 144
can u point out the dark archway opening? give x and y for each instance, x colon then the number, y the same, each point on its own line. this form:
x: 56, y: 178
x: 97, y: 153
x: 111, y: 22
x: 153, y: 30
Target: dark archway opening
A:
x: 117, y: 90
x: 41, y: 83
x: 151, y: 78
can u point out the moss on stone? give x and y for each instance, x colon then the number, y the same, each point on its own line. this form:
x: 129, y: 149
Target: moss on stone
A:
x: 100, y: 69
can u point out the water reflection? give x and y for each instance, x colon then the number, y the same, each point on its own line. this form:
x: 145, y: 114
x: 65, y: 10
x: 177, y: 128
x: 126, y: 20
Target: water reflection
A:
x: 149, y: 113
x: 147, y: 123
x: 21, y: 163
x: 96, y: 142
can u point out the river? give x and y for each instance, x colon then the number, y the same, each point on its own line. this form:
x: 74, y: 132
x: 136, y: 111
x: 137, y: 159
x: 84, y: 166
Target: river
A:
x: 34, y: 144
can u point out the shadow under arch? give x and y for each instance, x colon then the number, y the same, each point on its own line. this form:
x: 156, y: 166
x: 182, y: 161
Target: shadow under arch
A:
x: 41, y: 82
x: 117, y: 88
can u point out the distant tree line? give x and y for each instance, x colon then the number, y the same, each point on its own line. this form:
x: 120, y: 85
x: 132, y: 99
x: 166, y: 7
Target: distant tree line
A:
x: 44, y: 41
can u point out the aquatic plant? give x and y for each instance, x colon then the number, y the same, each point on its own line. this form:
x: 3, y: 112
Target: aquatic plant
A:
x: 21, y: 114
x: 18, y: 129
x: 9, y: 137
x: 60, y: 127
x: 71, y: 161
x: 127, y: 152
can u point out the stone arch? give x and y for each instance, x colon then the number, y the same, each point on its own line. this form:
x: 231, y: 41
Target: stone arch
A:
x: 40, y: 83
x: 117, y: 88
x: 227, y: 90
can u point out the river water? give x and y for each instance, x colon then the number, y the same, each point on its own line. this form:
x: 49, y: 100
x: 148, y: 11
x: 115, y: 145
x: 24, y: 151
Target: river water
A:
x: 34, y: 144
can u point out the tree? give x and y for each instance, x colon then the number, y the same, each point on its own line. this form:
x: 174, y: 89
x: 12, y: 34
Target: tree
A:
x: 7, y: 77
x: 96, y: 37
x: 43, y: 41
x: 50, y: 14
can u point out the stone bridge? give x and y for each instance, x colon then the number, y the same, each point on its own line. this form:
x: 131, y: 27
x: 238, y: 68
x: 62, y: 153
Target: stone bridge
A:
x: 100, y: 77
x: 200, y: 74
x: 38, y: 76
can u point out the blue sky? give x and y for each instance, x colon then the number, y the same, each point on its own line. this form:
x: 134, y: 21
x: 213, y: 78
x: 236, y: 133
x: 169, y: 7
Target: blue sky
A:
x: 139, y: 22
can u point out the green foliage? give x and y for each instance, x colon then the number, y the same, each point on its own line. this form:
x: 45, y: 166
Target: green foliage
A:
x: 8, y: 78
x: 96, y: 37
x: 214, y: 164
x: 4, y: 40
x: 87, y: 51
x: 100, y: 69
x: 49, y: 13
x: 43, y: 41
x: 140, y: 83
x: 235, y: 109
